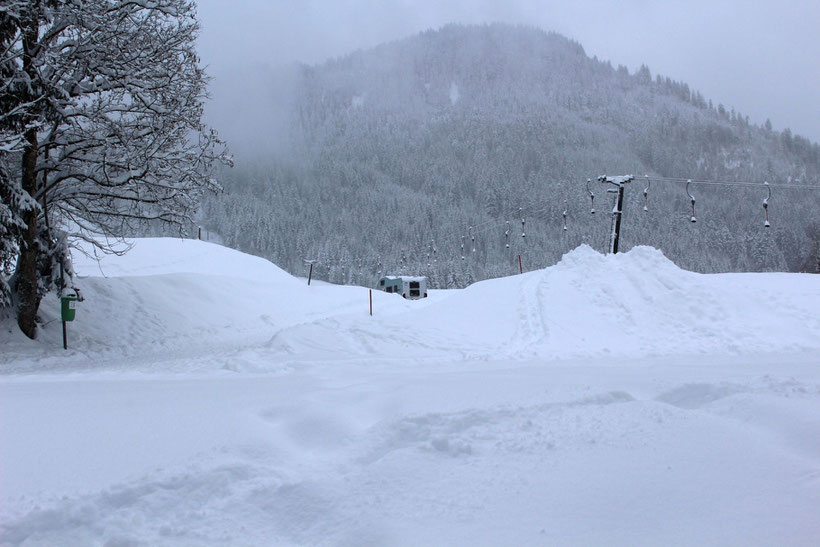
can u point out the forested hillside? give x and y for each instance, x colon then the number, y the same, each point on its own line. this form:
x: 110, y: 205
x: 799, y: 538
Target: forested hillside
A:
x: 393, y: 153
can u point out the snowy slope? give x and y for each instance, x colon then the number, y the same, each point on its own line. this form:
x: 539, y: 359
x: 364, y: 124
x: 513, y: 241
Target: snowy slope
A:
x: 169, y: 298
x: 208, y: 397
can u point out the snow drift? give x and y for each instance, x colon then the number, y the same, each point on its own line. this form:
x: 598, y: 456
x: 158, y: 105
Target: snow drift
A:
x: 171, y: 297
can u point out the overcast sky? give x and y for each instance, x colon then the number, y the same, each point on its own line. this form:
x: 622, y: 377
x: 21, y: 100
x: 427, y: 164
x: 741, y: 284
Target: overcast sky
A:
x: 760, y: 57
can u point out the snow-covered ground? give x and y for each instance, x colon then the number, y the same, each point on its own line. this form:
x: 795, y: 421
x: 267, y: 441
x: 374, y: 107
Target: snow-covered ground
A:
x: 208, y: 397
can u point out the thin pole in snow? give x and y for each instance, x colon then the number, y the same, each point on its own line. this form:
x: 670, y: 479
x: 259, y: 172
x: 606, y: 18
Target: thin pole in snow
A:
x: 520, y: 265
x: 310, y: 273
x: 371, y: 302
x: 62, y: 282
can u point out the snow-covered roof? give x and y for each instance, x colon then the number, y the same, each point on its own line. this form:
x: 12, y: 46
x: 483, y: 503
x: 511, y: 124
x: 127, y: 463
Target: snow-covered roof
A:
x: 406, y: 277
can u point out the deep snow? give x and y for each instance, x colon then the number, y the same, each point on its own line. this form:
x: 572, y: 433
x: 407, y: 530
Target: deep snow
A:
x: 209, y: 397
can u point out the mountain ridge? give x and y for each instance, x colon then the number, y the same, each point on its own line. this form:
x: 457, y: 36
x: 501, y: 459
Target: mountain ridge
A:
x: 396, y: 147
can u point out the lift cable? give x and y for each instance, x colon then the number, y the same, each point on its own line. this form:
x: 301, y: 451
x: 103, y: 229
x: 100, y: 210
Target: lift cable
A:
x: 742, y: 183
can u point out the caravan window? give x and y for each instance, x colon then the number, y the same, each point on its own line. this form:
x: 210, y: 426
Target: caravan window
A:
x: 389, y: 289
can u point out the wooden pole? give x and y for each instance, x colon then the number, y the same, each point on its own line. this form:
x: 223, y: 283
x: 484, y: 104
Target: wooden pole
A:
x: 371, y: 302
x: 616, y: 224
x: 520, y: 265
x: 310, y: 273
x: 618, y: 208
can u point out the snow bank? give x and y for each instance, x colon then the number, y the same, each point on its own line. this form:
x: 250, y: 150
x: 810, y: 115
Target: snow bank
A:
x: 633, y: 304
x: 164, y: 255
x: 178, y: 299
x: 178, y: 303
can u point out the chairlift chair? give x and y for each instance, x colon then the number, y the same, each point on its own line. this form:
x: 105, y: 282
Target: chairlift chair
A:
x: 692, y: 199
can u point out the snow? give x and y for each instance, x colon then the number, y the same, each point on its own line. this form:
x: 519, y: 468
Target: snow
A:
x: 454, y: 94
x: 619, y: 180
x: 406, y: 277
x: 208, y: 397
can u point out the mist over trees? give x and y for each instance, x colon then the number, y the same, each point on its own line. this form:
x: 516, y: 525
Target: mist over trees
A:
x: 385, y: 158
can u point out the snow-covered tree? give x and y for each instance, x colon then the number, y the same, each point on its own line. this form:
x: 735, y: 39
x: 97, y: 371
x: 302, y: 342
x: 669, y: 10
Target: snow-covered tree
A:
x: 100, y: 129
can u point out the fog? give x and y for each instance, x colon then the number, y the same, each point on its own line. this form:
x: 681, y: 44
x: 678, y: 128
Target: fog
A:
x: 762, y: 58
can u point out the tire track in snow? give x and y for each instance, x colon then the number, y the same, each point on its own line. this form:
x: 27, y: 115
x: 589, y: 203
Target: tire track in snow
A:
x: 532, y: 329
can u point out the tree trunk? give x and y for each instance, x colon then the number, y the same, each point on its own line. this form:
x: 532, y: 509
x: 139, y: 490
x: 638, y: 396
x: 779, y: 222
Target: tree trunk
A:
x: 26, y: 277
x: 25, y: 287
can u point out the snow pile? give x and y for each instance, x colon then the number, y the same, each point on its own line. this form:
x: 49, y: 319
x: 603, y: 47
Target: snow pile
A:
x: 633, y: 304
x: 169, y: 301
x: 172, y: 298
x: 158, y: 256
